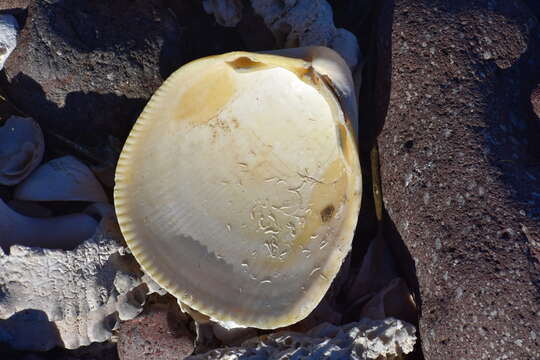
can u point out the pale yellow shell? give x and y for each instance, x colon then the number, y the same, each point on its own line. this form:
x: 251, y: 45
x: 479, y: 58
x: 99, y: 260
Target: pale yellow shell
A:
x: 239, y: 187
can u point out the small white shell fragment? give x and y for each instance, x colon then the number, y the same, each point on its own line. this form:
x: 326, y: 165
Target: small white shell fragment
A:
x: 61, y: 179
x: 8, y: 37
x: 59, y: 232
x: 21, y: 149
x: 76, y: 297
x: 367, y: 339
x: 238, y: 189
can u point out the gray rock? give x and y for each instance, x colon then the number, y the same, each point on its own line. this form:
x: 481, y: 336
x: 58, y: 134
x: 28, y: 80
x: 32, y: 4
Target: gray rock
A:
x: 86, y: 68
x: 461, y: 181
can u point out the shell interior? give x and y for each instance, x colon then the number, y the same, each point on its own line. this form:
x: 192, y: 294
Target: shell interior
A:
x: 239, y: 187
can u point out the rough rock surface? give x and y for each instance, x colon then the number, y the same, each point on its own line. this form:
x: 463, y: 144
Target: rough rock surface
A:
x: 86, y: 68
x: 306, y: 23
x: 14, y: 4
x: 150, y: 336
x: 535, y: 100
x: 8, y: 36
x: 366, y: 339
x: 461, y: 181
x: 71, y: 298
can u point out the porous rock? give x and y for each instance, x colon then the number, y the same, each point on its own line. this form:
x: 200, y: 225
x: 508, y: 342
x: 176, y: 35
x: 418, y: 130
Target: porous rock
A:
x: 71, y: 298
x: 86, y: 68
x: 8, y: 37
x: 14, y: 4
x: 460, y: 182
x: 152, y: 336
x: 366, y: 339
x: 305, y: 23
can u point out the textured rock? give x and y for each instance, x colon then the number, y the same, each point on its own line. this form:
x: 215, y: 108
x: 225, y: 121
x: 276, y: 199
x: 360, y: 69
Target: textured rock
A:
x: 227, y: 12
x: 14, y: 4
x: 86, y: 68
x: 460, y: 179
x: 535, y: 100
x: 150, y: 336
x: 71, y: 298
x: 366, y: 339
x: 305, y: 23
x: 8, y: 37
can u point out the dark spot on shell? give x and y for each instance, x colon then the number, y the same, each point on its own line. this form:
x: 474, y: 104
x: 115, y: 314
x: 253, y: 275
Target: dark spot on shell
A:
x: 327, y: 213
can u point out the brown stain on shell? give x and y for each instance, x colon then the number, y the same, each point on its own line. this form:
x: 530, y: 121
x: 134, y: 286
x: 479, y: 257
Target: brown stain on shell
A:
x: 205, y: 98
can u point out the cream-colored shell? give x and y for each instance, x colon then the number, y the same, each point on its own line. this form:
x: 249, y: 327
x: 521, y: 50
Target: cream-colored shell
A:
x: 239, y: 187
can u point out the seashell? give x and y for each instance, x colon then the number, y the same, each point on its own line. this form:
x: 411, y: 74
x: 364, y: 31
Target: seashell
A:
x: 61, y: 232
x: 21, y: 149
x: 69, y: 298
x: 61, y: 179
x: 238, y: 189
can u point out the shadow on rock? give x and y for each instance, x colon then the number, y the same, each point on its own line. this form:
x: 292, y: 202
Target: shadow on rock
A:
x: 84, y: 117
x: 29, y: 329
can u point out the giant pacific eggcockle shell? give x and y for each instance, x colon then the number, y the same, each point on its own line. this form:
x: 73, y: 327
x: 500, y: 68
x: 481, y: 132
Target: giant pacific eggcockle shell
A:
x: 239, y: 187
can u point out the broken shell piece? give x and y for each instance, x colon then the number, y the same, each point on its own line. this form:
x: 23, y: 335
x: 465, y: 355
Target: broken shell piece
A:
x: 239, y: 187
x: 21, y: 149
x: 367, y: 339
x: 61, y: 232
x: 77, y: 296
x: 8, y: 36
x: 61, y: 179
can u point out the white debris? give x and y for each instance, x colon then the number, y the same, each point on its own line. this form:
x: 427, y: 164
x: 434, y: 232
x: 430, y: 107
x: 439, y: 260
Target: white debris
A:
x: 8, y: 37
x: 367, y: 339
x: 294, y: 23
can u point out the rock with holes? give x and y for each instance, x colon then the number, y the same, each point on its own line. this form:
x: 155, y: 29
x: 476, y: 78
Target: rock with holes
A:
x: 68, y: 298
x: 363, y: 340
x: 155, y: 334
x: 460, y: 173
